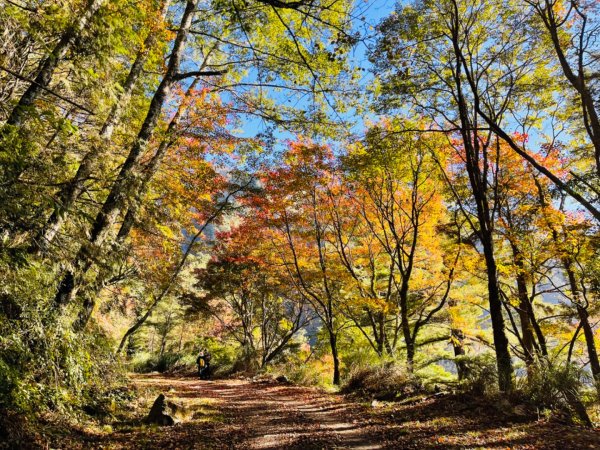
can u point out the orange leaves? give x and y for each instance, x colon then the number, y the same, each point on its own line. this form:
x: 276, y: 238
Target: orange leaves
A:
x: 304, y: 165
x: 191, y: 181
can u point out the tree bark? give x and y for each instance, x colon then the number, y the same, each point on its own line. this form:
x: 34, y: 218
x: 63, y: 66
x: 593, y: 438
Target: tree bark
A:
x: 408, y: 338
x: 524, y: 308
x: 48, y: 65
x: 131, y: 215
x: 457, y: 337
x: 126, y: 179
x: 538, y: 330
x: 334, y: 354
x: 583, y: 314
x: 382, y: 334
x: 479, y: 188
x: 69, y: 194
x: 503, y: 360
x: 152, y: 167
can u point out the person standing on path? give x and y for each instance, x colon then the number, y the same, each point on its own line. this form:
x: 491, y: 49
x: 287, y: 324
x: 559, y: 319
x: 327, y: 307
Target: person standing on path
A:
x: 203, y: 363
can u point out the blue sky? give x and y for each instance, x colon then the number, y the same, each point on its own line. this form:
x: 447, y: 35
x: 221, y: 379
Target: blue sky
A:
x: 366, y: 15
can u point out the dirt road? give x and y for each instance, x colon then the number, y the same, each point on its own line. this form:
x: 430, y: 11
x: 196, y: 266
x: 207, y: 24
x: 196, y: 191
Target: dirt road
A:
x: 239, y: 414
x: 244, y: 415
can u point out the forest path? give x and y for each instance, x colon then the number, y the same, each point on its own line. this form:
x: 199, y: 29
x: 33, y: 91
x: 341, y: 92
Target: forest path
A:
x: 261, y: 415
x: 241, y: 414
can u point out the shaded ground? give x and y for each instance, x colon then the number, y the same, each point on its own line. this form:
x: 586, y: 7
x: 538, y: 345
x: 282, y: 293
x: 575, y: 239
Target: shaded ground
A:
x: 239, y: 414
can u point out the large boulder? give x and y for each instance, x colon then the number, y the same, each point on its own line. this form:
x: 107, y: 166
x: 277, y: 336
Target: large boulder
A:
x: 282, y: 379
x: 159, y: 413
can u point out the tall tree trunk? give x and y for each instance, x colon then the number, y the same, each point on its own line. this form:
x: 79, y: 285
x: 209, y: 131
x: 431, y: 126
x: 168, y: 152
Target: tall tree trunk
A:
x: 477, y: 171
x: 49, y: 64
x: 164, y: 334
x: 503, y: 360
x: 152, y: 167
x: 410, y: 345
x: 126, y: 179
x: 524, y: 308
x: 405, y: 325
x: 152, y: 341
x: 538, y: 330
x: 583, y: 314
x: 479, y: 189
x: 526, y: 327
x: 335, y: 356
x: 381, y: 335
x: 131, y: 215
x: 74, y: 188
x: 89, y: 302
x: 181, y: 333
x: 588, y: 332
x: 389, y: 348
x: 457, y: 338
x: 581, y: 310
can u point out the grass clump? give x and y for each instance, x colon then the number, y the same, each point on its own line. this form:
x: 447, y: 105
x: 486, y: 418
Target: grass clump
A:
x: 383, y: 382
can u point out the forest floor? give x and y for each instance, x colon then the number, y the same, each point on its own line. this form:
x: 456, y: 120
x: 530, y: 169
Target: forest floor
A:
x: 241, y: 414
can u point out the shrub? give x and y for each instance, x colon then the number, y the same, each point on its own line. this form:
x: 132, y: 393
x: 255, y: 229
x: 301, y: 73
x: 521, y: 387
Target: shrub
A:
x: 384, y: 382
x: 145, y: 363
x: 222, y: 362
x: 44, y: 364
x: 481, y: 375
x: 55, y: 369
x: 556, y: 388
x: 316, y: 372
x: 303, y: 367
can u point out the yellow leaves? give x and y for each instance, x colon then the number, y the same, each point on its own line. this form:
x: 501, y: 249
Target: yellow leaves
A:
x: 206, y: 196
x: 559, y: 8
x: 374, y: 304
x: 505, y: 269
x: 285, y: 324
x: 166, y: 231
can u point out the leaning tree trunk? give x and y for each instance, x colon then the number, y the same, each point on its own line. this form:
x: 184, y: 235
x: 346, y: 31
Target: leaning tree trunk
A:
x: 126, y: 178
x: 130, y: 218
x: 524, y: 309
x: 151, y: 168
x: 167, y: 288
x: 69, y: 194
x: 578, y: 81
x: 48, y: 65
x: 583, y: 314
x: 335, y: 355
